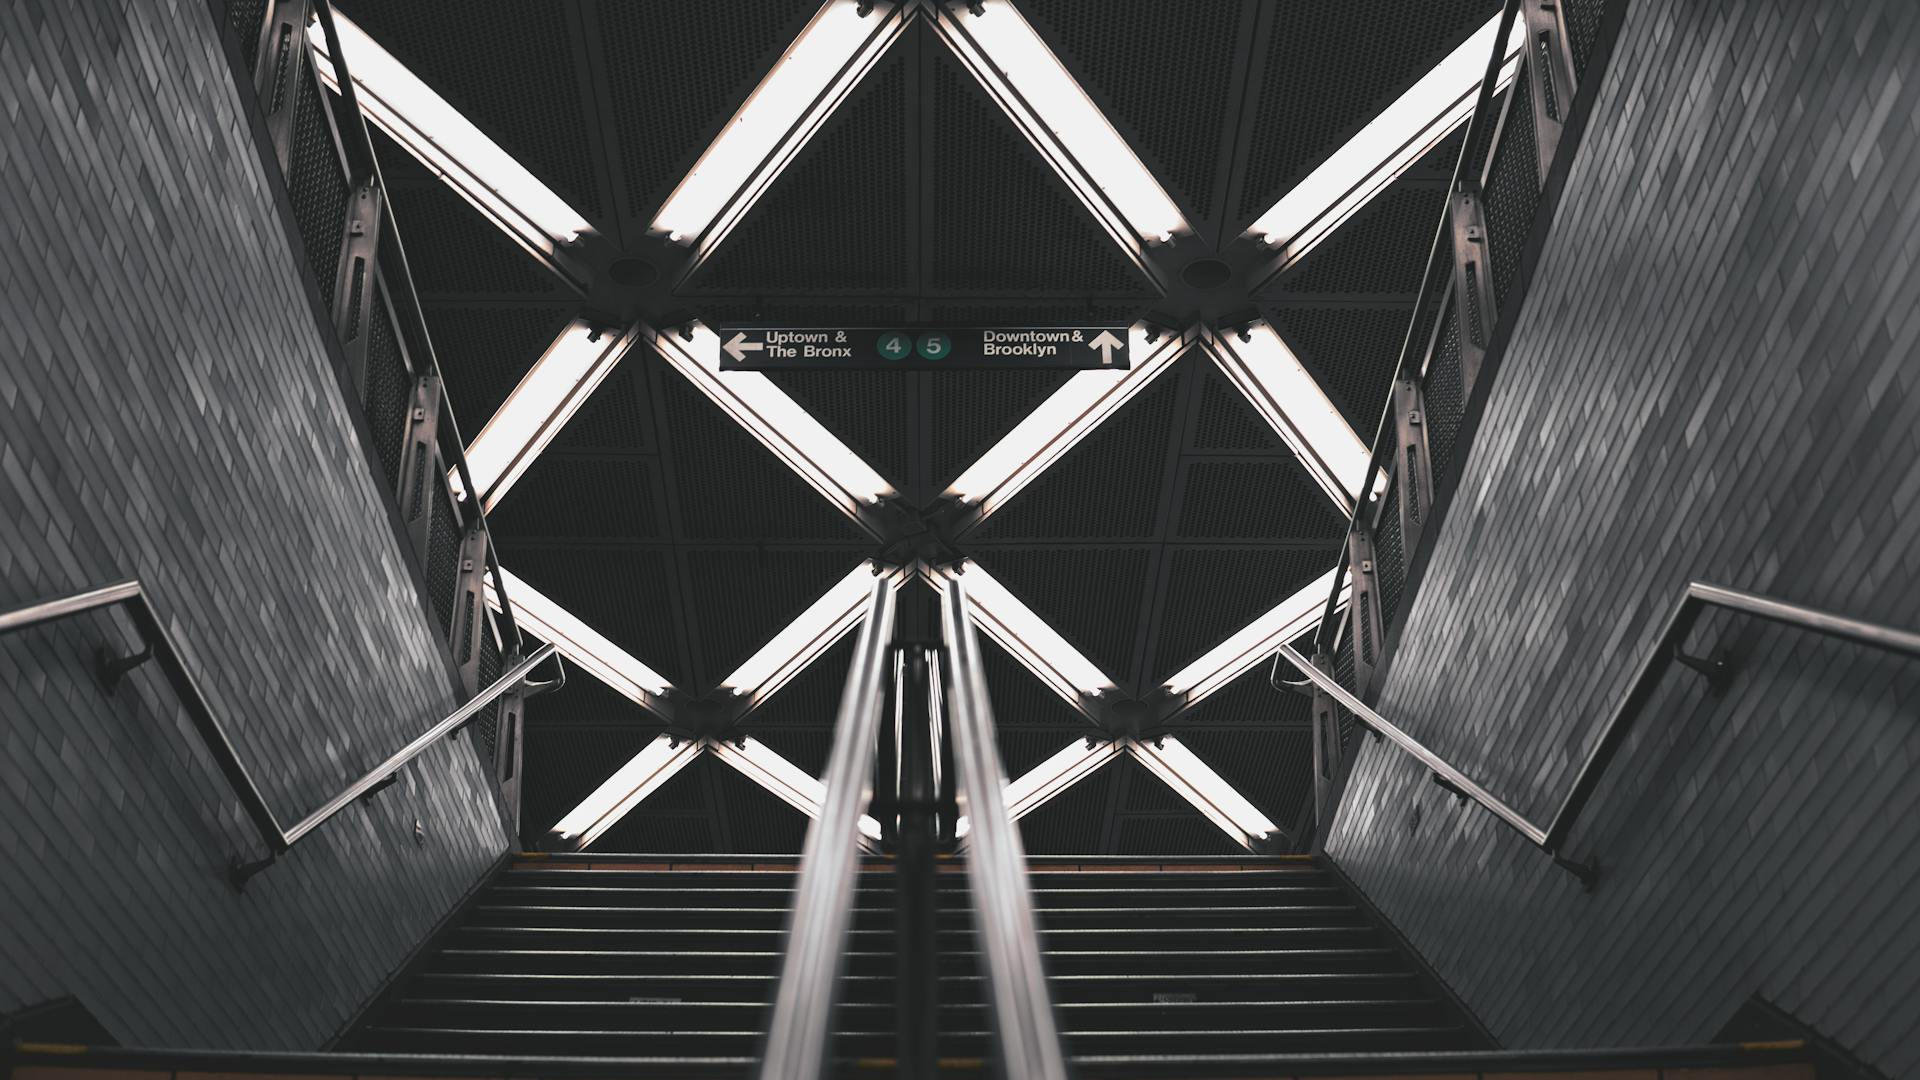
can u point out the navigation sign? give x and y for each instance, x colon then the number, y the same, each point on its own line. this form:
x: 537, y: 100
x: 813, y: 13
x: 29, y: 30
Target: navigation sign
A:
x: 780, y: 348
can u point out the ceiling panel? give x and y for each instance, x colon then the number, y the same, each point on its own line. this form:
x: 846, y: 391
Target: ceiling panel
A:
x: 1163, y: 74
x: 1074, y: 821
x: 1352, y: 353
x: 624, y: 593
x: 839, y: 218
x: 1212, y: 592
x: 1330, y: 68
x: 455, y: 252
x: 1272, y: 768
x: 511, y: 68
x: 1091, y: 595
x: 971, y: 410
x: 758, y: 822
x: 1226, y: 422
x: 564, y: 498
x: 674, y: 75
x: 738, y: 598
x: 486, y: 349
x: 1252, y: 700
x: 1268, y: 499
x: 876, y: 413
x: 999, y: 221
x: 798, y: 720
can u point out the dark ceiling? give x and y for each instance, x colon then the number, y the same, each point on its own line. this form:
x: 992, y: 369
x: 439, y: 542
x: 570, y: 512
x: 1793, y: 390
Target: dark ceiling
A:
x: 668, y: 528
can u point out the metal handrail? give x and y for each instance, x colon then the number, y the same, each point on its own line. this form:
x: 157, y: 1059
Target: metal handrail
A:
x: 1698, y: 596
x: 1380, y: 452
x: 158, y: 645
x: 799, y: 1035
x: 1028, y: 1033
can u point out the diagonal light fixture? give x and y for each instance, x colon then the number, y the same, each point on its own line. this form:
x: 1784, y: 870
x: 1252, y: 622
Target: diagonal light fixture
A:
x: 1252, y: 644
x: 645, y: 773
x: 1021, y: 74
x: 811, y: 633
x: 1280, y: 389
x: 448, y: 144
x: 817, y: 72
x: 789, y: 782
x: 1387, y: 146
x: 781, y: 425
x: 1052, y: 428
x: 561, y: 381
x: 1195, y: 781
x: 1012, y: 625
x: 580, y: 643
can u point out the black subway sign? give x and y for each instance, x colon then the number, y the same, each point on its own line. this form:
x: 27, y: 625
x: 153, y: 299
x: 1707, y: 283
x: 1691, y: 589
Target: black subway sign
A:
x: 784, y: 348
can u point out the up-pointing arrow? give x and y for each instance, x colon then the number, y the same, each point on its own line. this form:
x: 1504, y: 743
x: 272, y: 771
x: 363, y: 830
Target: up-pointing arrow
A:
x: 738, y: 346
x: 1105, y: 343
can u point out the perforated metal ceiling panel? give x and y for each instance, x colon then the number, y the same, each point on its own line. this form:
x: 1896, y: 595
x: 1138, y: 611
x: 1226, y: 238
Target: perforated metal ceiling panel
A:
x: 737, y: 598
x: 1091, y: 595
x: 1218, y: 502
x: 1250, y: 701
x: 1163, y: 73
x: 1328, y: 69
x: 1073, y: 822
x: 570, y: 497
x: 876, y: 413
x: 674, y: 74
x: 618, y: 418
x: 757, y: 822
x: 626, y: 593
x: 971, y: 410
x: 1001, y: 222
x: 797, y: 722
x: 457, y: 253
x: 509, y: 67
x: 1211, y: 592
x: 840, y: 218
x: 1227, y: 423
x: 486, y: 349
x: 680, y: 818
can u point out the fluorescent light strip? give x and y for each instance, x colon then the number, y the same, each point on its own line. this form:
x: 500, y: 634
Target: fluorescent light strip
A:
x: 1391, y: 142
x: 1074, y: 763
x: 1195, y: 781
x: 448, y: 144
x: 561, y: 381
x: 1265, y: 370
x: 788, y: 782
x: 780, y: 424
x: 580, y: 643
x: 1021, y: 73
x: 813, y: 632
x: 653, y: 766
x: 1012, y: 625
x: 1061, y: 421
x: 837, y: 48
x: 1253, y: 643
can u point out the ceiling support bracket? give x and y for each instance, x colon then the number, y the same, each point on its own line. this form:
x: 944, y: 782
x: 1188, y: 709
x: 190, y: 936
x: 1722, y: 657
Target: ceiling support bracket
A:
x: 1369, y: 626
x: 1472, y: 280
x: 1549, y: 59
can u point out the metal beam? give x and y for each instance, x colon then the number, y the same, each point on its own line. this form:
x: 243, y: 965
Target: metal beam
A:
x: 641, y: 776
x: 807, y: 637
x: 1194, y: 780
x: 1259, y: 363
x: 622, y: 672
x: 786, y: 781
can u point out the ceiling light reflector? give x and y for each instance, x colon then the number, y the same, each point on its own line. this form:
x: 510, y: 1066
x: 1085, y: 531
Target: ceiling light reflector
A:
x: 1265, y: 370
x: 1014, y: 627
x: 837, y: 611
x: 779, y: 422
x: 447, y: 143
x: 1169, y: 759
x: 580, y: 643
x: 1254, y: 642
x: 654, y: 765
x: 1391, y: 142
x: 561, y: 381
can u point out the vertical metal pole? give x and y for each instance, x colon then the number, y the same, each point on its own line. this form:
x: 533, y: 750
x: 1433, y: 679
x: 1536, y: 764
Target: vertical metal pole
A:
x: 917, y: 1002
x: 1472, y: 281
x: 799, y: 1035
x: 1028, y: 1037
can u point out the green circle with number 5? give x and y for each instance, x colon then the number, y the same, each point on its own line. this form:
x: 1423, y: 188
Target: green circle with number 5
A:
x: 935, y: 346
x: 894, y: 345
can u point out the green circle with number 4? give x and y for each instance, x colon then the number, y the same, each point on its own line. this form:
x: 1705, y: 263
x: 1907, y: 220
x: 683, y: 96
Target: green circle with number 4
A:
x: 894, y: 345
x: 935, y: 346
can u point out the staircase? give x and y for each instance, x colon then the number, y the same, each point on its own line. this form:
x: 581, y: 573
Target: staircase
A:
x: 639, y: 958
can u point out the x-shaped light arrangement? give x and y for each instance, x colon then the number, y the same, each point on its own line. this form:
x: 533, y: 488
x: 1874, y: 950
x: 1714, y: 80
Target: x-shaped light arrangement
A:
x: 844, y: 41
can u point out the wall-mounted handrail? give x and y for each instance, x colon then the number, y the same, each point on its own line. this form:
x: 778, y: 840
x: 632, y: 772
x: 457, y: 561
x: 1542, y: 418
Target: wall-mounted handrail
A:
x: 1022, y: 1010
x: 1697, y: 597
x: 157, y: 644
x: 799, y: 1034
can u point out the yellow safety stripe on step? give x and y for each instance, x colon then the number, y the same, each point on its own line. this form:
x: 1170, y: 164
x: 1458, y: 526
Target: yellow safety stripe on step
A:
x: 64, y: 1049
x: 1777, y: 1044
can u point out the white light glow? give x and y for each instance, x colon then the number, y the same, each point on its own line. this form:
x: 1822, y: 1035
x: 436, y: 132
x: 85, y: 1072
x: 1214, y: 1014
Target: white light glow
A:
x: 1255, y: 642
x: 1391, y: 142
x: 1208, y: 791
x: 579, y: 642
x: 1012, y: 625
x: 447, y: 143
x: 1265, y: 370
x: 1074, y: 763
x: 838, y: 610
x: 1018, y: 69
x: 819, y: 69
x: 780, y: 424
x: 640, y: 777
x: 1059, y: 422
x: 565, y: 376
x: 789, y: 782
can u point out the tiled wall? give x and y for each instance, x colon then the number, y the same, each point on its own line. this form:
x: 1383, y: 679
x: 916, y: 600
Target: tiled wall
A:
x: 1715, y: 376
x: 168, y: 412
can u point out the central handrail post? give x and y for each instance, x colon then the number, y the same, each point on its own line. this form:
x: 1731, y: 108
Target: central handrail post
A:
x: 1028, y: 1035
x: 800, y: 1033
x: 916, y: 1005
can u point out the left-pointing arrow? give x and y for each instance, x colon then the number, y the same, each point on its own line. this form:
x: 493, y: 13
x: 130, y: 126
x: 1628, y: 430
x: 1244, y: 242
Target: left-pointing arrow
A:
x: 738, y: 346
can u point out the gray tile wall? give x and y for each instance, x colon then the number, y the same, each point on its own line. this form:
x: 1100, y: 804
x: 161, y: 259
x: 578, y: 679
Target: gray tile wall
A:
x: 167, y: 411
x: 1715, y: 376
